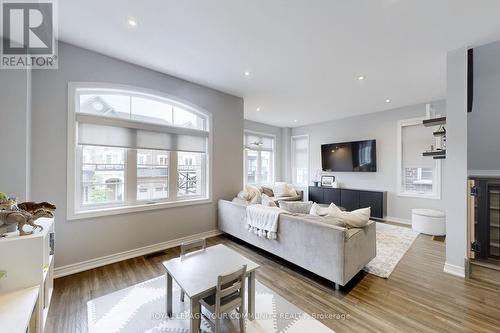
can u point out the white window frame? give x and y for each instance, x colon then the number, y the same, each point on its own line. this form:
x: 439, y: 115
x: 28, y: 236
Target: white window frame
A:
x: 131, y: 204
x: 259, y: 160
x: 293, y: 166
x: 436, y: 181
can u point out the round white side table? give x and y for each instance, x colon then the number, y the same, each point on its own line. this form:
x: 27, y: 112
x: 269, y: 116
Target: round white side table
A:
x: 428, y: 221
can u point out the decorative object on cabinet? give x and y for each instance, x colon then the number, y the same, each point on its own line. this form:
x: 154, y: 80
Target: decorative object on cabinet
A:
x: 327, y: 181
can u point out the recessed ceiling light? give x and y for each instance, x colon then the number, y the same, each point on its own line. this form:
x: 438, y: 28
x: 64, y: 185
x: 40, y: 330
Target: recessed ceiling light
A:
x: 361, y: 77
x: 388, y: 100
x: 247, y: 73
x: 132, y: 23
x: 295, y: 120
x: 258, y: 109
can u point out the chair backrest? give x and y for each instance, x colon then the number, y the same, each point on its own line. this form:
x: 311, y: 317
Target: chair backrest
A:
x: 230, y: 291
x: 198, y: 244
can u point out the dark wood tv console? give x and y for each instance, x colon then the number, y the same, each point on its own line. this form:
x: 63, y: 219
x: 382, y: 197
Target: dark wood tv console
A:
x: 351, y: 199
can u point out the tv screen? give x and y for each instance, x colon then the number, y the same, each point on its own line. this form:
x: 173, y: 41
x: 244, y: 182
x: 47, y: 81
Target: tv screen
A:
x: 355, y: 156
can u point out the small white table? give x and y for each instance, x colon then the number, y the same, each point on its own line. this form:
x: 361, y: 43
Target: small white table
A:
x: 196, y: 273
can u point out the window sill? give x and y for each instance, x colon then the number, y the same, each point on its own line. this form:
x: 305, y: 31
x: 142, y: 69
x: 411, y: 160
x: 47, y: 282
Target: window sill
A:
x: 420, y: 196
x: 85, y: 214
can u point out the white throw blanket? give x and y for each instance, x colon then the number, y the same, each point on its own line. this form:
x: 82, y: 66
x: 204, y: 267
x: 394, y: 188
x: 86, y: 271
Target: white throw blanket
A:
x: 263, y: 220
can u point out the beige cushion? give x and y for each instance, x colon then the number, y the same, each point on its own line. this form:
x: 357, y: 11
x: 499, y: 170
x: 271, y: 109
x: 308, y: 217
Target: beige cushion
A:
x: 355, y: 219
x: 281, y: 189
x: 245, y: 195
x: 252, y: 188
x: 267, y: 191
x: 256, y: 199
x: 296, y: 207
x: 317, y: 210
x: 268, y: 201
x: 240, y: 201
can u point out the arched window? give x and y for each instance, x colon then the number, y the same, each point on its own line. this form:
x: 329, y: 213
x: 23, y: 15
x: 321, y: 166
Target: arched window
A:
x: 128, y: 148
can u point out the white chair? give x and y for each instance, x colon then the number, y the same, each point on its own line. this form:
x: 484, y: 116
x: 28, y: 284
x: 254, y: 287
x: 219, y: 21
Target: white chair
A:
x: 229, y: 296
x: 196, y: 245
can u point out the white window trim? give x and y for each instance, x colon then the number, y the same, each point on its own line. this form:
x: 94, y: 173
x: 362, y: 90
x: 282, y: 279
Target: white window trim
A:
x: 292, y: 151
x: 436, y: 195
x: 273, y: 157
x: 73, y: 156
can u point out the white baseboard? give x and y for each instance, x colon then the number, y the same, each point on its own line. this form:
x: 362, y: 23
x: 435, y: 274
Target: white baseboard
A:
x: 454, y: 270
x: 397, y: 220
x: 109, y: 259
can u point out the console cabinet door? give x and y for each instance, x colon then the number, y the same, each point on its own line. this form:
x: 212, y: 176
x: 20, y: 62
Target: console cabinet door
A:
x: 373, y: 200
x: 316, y: 194
x: 349, y: 199
x: 331, y: 195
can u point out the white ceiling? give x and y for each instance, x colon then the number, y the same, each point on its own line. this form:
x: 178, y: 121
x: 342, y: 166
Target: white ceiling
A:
x: 304, y: 55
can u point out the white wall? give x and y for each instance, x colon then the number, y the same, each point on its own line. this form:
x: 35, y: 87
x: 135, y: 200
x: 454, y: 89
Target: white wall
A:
x: 381, y: 126
x: 15, y: 113
x: 483, y: 134
x: 456, y: 164
x: 80, y: 240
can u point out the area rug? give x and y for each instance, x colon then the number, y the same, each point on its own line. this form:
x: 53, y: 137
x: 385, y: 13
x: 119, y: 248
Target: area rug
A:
x: 392, y: 243
x: 141, y: 308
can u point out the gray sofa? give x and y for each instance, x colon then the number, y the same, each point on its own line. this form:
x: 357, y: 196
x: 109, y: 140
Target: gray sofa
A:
x: 329, y: 251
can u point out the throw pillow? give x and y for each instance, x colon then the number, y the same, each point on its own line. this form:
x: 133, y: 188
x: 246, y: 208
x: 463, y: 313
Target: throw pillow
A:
x: 267, y: 201
x: 245, y: 195
x: 334, y: 211
x: 317, y: 210
x: 291, y: 191
x: 355, y: 219
x: 280, y: 189
x: 252, y: 188
x: 296, y: 207
x: 333, y: 221
x: 267, y: 191
x: 240, y: 201
x: 256, y: 199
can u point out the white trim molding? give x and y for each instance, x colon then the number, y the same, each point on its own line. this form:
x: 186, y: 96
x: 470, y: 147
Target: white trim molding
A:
x: 437, y: 183
x: 454, y: 270
x: 397, y: 220
x: 130, y: 203
x: 110, y: 259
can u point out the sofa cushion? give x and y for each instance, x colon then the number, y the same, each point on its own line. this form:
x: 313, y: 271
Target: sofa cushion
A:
x: 245, y: 195
x: 318, y: 210
x: 268, y: 191
x: 267, y: 201
x: 355, y: 219
x: 281, y: 189
x: 296, y: 207
x: 256, y: 199
x: 240, y: 201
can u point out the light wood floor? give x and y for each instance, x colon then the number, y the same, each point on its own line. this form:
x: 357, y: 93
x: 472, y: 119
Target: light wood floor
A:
x: 418, y: 296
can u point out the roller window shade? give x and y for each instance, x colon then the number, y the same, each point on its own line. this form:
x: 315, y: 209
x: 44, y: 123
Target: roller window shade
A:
x: 90, y: 133
x: 256, y: 142
x: 416, y: 139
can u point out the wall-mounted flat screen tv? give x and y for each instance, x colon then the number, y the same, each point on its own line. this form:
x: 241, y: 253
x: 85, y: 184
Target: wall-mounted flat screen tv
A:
x: 355, y: 156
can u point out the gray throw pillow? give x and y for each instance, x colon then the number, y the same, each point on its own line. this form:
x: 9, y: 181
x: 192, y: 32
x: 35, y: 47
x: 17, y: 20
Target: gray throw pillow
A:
x: 296, y: 207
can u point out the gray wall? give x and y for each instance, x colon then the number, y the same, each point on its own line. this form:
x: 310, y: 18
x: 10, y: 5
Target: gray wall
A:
x: 282, y: 137
x: 456, y: 161
x: 80, y: 240
x: 15, y: 113
x: 483, y: 123
x: 381, y: 126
